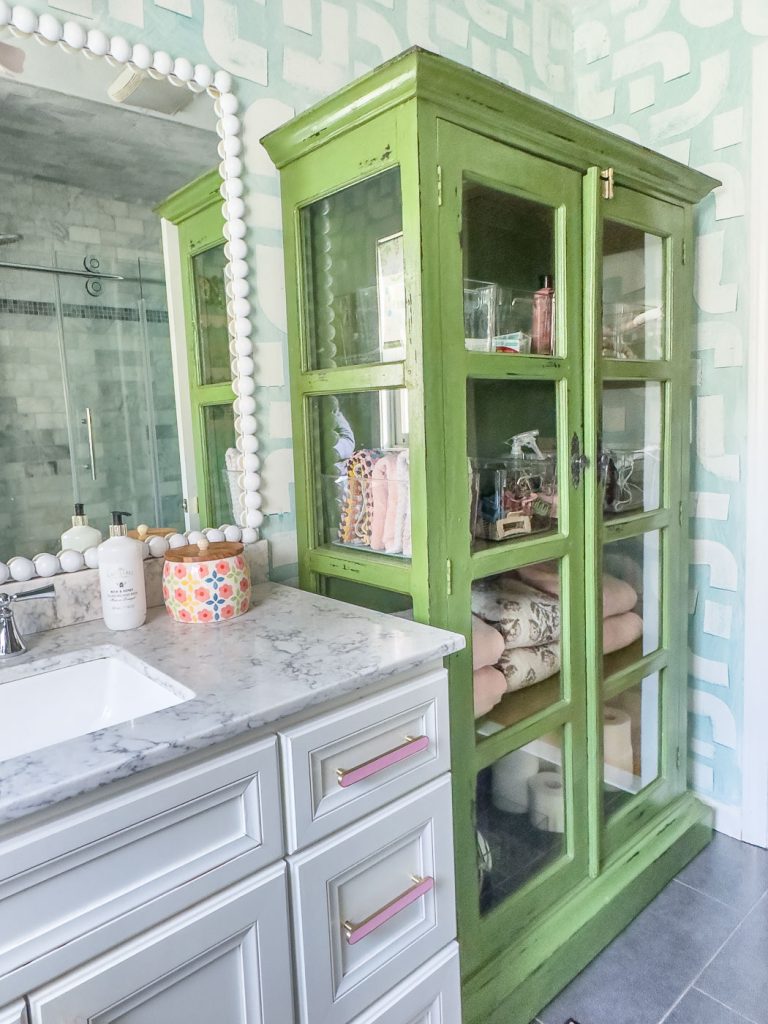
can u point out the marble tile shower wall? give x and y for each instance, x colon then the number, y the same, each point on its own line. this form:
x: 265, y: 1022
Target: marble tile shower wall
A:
x: 675, y: 75
x: 112, y: 359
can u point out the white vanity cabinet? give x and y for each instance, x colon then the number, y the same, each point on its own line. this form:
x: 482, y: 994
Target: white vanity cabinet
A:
x: 166, y: 897
x: 226, y: 960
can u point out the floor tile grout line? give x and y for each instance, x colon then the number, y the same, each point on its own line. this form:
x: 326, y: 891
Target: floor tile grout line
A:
x: 717, y: 952
x: 709, y: 895
x: 720, y: 1002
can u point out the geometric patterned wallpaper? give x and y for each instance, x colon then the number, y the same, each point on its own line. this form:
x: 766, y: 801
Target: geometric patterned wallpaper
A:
x: 672, y: 74
x: 675, y: 75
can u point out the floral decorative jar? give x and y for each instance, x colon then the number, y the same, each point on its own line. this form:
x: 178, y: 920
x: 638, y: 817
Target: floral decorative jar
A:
x: 206, y: 582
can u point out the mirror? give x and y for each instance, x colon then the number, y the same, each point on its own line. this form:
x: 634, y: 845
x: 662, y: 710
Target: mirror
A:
x: 95, y: 366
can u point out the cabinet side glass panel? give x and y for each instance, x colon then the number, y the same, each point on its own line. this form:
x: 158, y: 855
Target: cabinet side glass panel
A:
x: 211, y: 315
x: 354, y: 279
x: 520, y: 818
x: 633, y: 293
x: 509, y: 257
x: 631, y: 747
x: 221, y: 481
x: 632, y: 420
x: 359, y: 450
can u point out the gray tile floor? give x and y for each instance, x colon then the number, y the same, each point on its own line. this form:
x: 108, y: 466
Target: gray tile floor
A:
x: 697, y: 955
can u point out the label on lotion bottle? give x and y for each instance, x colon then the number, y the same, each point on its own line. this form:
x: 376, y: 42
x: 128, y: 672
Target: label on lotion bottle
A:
x: 121, y: 577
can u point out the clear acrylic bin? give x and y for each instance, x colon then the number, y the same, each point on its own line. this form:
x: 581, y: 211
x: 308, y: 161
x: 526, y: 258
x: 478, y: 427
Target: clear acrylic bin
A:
x: 631, y: 329
x: 513, y: 497
x: 367, y: 505
x: 631, y: 480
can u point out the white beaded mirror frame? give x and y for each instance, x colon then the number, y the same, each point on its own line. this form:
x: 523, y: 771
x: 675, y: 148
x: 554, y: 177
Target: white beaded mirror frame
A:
x: 73, y: 38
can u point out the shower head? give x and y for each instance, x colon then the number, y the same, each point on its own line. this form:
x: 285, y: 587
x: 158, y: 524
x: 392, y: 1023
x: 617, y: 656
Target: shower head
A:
x: 8, y: 238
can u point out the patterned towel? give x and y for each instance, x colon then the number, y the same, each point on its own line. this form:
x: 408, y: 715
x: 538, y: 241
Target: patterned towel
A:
x: 356, y: 513
x: 524, y: 616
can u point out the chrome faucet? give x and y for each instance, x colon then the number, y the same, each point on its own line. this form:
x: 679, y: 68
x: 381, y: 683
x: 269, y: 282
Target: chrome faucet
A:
x: 11, y: 642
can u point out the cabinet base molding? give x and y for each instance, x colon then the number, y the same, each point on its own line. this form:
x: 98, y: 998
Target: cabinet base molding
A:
x: 515, y: 985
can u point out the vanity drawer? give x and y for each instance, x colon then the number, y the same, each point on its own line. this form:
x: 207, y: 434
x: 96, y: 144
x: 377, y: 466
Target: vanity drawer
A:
x: 15, y: 1014
x: 431, y: 995
x: 373, y: 903
x: 70, y: 875
x: 347, y: 763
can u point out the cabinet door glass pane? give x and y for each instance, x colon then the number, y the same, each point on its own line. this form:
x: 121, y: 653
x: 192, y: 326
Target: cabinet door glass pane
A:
x: 633, y: 293
x: 509, y: 257
x: 511, y: 427
x: 360, y: 448
x: 630, y: 743
x: 520, y: 818
x: 631, y: 599
x: 211, y: 316
x: 221, y: 482
x: 354, y: 275
x: 631, y: 440
x: 516, y: 646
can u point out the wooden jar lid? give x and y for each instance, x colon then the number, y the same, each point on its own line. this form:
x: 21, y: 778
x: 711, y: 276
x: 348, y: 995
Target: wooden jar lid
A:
x: 204, y: 551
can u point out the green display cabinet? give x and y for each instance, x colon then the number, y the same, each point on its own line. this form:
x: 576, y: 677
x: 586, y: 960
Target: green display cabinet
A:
x: 490, y: 310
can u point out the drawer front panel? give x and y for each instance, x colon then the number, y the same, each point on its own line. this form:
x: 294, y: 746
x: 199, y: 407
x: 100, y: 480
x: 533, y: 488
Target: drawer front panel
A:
x: 350, y: 762
x: 372, y: 903
x: 226, y: 959
x: 431, y: 995
x: 63, y: 879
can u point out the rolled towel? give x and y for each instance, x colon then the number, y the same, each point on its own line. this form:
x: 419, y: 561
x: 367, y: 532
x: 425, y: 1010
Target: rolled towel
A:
x: 618, y: 595
x: 617, y: 739
x: 402, y: 506
x: 385, y: 466
x: 487, y: 643
x: 525, y: 616
x: 620, y: 631
x: 489, y: 686
x: 524, y: 666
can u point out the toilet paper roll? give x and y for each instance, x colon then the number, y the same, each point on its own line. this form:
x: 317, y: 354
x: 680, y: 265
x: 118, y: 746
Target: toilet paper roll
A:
x: 617, y: 739
x: 546, y: 802
x: 509, y: 781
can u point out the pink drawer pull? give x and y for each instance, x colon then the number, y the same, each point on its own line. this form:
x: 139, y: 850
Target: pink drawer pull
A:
x: 356, y: 932
x: 413, y: 745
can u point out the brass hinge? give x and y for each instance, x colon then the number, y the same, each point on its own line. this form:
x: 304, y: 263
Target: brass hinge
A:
x: 680, y: 515
x: 678, y: 757
x: 439, y: 185
x: 449, y: 576
x: 606, y: 177
x: 685, y: 252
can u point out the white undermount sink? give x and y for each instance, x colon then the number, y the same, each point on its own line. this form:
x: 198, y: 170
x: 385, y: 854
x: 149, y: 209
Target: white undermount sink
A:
x: 48, y: 707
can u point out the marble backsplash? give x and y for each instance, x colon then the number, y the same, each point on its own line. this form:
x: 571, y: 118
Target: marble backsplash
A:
x: 78, y: 599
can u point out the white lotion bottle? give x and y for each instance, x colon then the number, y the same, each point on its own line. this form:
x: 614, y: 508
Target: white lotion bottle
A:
x: 80, y: 536
x: 121, y: 577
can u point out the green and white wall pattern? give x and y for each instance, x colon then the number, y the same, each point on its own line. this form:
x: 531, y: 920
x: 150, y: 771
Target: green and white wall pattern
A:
x: 675, y: 75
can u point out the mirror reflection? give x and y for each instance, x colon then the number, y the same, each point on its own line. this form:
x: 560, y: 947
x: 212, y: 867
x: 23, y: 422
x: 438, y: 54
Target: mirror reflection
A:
x: 95, y: 372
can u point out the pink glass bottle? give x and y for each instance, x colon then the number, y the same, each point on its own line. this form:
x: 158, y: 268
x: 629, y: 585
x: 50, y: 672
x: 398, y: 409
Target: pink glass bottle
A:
x: 543, y: 319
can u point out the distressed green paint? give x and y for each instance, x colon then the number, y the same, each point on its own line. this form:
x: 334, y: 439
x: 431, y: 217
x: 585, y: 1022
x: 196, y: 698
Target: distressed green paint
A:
x: 441, y: 123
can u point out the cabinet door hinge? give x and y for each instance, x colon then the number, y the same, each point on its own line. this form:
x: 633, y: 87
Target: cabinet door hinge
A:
x: 439, y: 185
x: 606, y: 177
x: 680, y: 514
x: 449, y: 576
x: 678, y: 757
x: 685, y: 252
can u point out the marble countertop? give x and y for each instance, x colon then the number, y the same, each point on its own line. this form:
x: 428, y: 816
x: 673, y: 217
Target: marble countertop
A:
x: 290, y: 652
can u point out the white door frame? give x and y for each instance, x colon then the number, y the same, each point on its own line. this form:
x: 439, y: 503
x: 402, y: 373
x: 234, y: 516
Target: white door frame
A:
x: 754, y: 759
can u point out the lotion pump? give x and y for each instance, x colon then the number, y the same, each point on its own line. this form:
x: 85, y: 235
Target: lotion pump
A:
x: 121, y: 577
x: 80, y: 536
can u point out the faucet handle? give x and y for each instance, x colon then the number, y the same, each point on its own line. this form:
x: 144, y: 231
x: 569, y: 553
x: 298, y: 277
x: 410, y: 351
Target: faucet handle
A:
x: 27, y: 595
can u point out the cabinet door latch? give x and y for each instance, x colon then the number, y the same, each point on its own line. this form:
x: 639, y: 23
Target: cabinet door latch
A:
x: 606, y: 177
x: 579, y: 461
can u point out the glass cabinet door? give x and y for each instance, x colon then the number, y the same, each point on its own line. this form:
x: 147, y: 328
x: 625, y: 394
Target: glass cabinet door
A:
x: 640, y: 451
x: 511, y: 325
